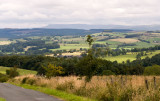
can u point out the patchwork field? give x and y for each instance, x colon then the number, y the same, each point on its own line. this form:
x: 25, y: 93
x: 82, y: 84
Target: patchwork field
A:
x: 129, y: 56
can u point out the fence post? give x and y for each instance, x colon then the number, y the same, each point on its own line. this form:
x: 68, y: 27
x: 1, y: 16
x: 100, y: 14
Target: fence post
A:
x: 121, y: 80
x: 111, y: 81
x: 146, y: 83
x: 154, y: 79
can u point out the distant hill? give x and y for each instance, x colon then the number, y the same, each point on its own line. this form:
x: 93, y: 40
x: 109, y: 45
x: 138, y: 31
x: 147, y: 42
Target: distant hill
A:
x: 87, y: 27
x: 20, y: 33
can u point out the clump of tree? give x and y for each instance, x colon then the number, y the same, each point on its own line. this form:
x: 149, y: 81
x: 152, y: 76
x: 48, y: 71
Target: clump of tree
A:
x: 51, y: 70
x: 87, y: 66
x: 152, y: 70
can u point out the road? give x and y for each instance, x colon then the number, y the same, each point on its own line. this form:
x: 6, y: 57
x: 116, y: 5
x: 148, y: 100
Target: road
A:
x: 14, y: 93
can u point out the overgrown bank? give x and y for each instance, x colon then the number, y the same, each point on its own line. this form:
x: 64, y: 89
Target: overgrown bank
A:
x: 102, y: 88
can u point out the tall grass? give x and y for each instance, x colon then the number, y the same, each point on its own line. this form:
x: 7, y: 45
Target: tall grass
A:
x: 102, y: 88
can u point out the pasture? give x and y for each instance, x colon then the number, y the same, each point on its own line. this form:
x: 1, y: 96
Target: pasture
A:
x: 21, y: 71
x: 130, y: 56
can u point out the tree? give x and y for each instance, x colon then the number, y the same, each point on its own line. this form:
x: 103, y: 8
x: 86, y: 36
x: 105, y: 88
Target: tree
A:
x: 88, y: 64
x: 90, y: 40
x: 53, y: 70
x: 152, y: 70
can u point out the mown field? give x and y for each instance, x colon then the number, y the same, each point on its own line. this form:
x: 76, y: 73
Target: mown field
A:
x: 21, y: 71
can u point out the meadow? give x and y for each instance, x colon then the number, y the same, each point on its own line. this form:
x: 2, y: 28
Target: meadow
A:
x: 21, y: 71
x: 100, y: 88
x: 130, y: 56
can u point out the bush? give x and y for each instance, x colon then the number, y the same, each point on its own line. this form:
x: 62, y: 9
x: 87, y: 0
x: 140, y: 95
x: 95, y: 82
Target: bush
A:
x: 24, y: 80
x: 12, y: 72
x: 65, y: 86
x: 152, y: 70
x: 3, y: 78
x: 107, y: 72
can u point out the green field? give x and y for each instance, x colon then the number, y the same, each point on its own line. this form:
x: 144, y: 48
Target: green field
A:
x: 1, y: 99
x: 129, y: 56
x: 21, y: 71
x: 71, y: 46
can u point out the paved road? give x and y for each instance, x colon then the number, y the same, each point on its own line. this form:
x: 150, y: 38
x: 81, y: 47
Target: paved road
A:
x: 14, y: 93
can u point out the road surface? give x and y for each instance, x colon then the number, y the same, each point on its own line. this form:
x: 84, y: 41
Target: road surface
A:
x: 14, y: 93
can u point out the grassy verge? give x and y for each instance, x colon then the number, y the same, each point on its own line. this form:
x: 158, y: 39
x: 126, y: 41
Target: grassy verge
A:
x: 60, y: 94
x: 1, y: 99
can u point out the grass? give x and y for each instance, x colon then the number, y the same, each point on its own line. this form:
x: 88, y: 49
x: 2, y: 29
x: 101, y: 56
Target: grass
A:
x: 60, y: 94
x: 129, y: 56
x: 121, y: 58
x: 21, y: 71
x: 102, y: 88
x: 1, y: 99
x: 71, y: 46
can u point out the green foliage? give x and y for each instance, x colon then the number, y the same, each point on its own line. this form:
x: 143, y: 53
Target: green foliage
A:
x: 28, y: 80
x: 3, y: 78
x: 107, y: 72
x: 12, y: 72
x: 53, y: 70
x: 24, y: 80
x: 1, y: 99
x: 152, y: 70
x: 89, y: 40
x: 21, y: 71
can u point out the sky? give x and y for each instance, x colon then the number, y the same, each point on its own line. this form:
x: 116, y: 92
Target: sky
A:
x: 39, y: 13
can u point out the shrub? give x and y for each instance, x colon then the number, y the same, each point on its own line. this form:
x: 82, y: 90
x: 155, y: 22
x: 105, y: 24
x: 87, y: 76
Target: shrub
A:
x: 107, y: 72
x: 152, y: 70
x: 65, y: 86
x: 12, y: 72
x: 53, y: 70
x: 24, y: 80
x: 3, y: 78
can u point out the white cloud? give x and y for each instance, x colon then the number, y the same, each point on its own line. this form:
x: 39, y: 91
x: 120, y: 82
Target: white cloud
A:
x: 37, y: 13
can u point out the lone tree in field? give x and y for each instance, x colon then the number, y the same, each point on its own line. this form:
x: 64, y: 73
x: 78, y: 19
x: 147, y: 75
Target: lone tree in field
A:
x: 89, y: 40
x: 87, y: 66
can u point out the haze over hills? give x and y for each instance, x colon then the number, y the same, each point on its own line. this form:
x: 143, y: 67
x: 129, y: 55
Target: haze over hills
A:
x: 89, y: 26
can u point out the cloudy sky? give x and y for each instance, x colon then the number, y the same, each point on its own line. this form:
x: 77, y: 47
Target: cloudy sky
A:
x: 38, y: 13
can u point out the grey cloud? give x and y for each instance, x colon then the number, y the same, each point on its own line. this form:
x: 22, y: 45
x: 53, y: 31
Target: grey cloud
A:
x: 36, y: 13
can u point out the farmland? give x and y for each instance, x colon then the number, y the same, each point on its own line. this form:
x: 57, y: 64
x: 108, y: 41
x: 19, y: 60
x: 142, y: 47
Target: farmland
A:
x: 67, y: 44
x: 129, y: 56
x: 21, y: 71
